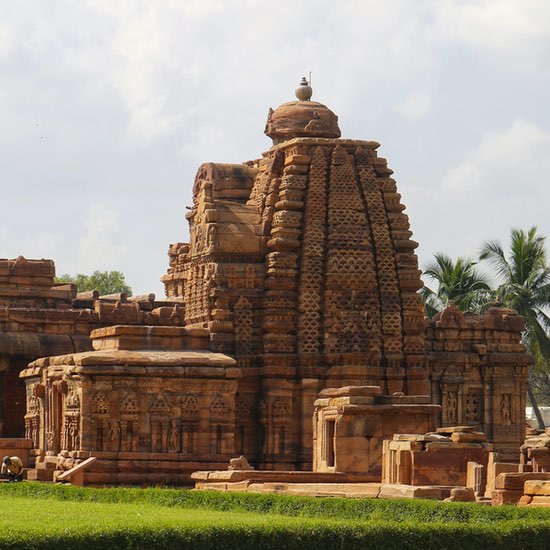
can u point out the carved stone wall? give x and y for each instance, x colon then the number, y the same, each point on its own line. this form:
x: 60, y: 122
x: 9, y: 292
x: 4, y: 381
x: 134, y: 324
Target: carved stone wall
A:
x: 302, y: 267
x: 479, y: 374
x: 300, y: 272
x: 147, y: 416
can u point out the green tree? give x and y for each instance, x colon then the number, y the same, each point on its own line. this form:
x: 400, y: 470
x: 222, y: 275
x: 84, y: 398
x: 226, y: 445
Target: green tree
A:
x: 459, y: 282
x: 105, y: 282
x: 524, y: 285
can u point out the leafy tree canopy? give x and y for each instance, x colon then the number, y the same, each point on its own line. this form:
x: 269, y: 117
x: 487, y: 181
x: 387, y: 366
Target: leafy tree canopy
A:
x: 457, y: 281
x: 105, y: 282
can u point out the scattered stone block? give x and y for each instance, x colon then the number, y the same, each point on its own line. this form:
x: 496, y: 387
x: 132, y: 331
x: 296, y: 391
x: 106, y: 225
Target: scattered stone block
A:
x: 537, y: 487
x: 494, y: 468
x: 76, y: 474
x: 388, y: 490
x: 468, y: 437
x: 516, y: 481
x: 506, y: 496
x: 450, y: 430
x: 476, y: 478
x: 461, y: 494
x: 239, y: 463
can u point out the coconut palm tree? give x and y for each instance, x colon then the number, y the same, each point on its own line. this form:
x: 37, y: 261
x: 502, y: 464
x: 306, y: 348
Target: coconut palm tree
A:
x: 459, y: 282
x: 524, y: 285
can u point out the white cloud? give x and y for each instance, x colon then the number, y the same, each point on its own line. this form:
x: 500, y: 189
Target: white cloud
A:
x: 6, y: 41
x: 43, y: 244
x: 415, y: 106
x: 501, y: 182
x: 132, y: 96
x: 504, y: 162
x: 98, y: 247
x: 514, y: 33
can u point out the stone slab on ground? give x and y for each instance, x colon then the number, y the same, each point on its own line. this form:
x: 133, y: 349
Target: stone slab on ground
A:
x: 391, y: 490
x: 537, y: 487
x: 469, y: 437
x: 76, y: 474
x: 537, y: 501
x: 281, y: 476
x: 506, y: 496
x: 346, y: 490
x: 516, y: 481
x: 449, y: 430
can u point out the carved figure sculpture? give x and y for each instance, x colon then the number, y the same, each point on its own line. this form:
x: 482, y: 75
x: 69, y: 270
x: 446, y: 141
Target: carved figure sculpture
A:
x: 239, y: 464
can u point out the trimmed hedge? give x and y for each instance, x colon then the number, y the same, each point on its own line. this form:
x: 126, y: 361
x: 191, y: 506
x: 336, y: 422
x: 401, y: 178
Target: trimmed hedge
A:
x: 386, y: 535
x: 416, y: 510
x: 195, y: 521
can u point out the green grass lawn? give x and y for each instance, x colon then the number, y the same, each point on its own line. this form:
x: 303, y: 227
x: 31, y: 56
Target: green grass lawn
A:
x: 34, y: 515
x: 42, y: 520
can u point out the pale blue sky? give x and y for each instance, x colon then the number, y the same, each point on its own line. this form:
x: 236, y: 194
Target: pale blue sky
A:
x: 108, y: 108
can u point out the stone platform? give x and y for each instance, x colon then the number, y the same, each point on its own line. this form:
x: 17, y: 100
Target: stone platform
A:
x: 313, y: 484
x: 288, y: 482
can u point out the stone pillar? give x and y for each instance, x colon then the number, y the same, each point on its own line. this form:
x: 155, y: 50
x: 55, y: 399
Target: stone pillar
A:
x: 309, y: 388
x: 88, y: 430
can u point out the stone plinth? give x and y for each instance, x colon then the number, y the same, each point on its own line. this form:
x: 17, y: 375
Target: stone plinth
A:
x: 350, y: 424
x: 288, y: 482
x: 433, y: 458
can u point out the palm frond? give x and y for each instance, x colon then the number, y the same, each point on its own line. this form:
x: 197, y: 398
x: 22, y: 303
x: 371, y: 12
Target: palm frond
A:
x: 493, y: 252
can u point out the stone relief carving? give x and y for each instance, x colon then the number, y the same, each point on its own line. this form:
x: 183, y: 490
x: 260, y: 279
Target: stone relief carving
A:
x: 219, y: 407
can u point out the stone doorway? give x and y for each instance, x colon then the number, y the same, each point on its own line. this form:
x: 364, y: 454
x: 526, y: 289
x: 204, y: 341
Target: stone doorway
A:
x: 12, y: 404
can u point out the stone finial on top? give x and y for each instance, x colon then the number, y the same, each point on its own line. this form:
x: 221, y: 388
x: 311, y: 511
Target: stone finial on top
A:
x: 304, y: 91
x: 302, y: 118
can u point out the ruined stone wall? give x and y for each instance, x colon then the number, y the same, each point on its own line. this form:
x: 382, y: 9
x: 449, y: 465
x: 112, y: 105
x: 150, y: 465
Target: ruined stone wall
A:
x: 39, y: 318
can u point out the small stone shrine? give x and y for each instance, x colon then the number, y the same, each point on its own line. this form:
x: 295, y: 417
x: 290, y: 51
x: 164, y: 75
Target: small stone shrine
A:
x: 150, y: 415
x: 351, y: 424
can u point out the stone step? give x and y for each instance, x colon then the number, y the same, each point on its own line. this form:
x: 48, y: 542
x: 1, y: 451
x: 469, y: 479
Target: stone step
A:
x: 35, y: 474
x: 50, y: 466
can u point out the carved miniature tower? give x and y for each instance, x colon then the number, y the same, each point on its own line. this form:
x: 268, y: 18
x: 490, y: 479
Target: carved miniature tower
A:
x: 302, y: 266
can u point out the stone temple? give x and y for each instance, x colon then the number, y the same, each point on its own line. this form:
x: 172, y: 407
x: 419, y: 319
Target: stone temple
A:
x: 298, y: 289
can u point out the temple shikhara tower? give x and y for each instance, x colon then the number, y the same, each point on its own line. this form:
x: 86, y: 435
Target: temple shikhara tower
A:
x: 292, y: 333
x: 302, y: 266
